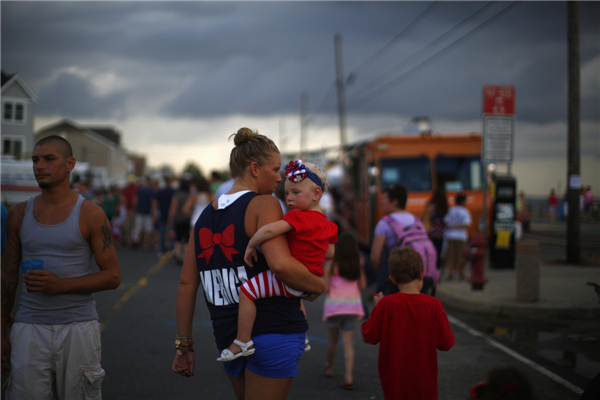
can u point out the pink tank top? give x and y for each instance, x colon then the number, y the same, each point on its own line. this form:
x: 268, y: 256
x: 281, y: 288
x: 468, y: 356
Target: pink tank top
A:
x: 343, y: 298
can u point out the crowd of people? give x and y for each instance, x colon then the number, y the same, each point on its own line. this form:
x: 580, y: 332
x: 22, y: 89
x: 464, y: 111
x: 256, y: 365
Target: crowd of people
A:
x: 587, y: 203
x: 242, y: 245
x: 153, y: 213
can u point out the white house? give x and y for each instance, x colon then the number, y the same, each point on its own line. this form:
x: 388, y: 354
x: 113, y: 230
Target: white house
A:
x: 18, y: 112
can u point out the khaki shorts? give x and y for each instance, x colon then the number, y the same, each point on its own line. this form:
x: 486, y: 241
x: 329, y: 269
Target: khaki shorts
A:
x: 143, y: 223
x: 55, y: 361
x: 456, y: 254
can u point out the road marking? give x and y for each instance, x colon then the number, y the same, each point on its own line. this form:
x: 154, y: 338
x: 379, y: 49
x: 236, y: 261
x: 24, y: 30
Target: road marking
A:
x: 142, y: 282
x: 515, y: 355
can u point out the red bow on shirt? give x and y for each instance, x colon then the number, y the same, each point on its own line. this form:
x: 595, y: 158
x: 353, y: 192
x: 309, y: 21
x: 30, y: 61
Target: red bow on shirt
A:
x: 225, y: 240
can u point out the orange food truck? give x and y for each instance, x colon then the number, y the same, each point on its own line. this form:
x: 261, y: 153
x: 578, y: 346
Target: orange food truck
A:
x: 421, y: 163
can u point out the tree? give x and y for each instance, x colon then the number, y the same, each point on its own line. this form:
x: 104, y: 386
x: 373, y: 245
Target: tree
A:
x: 194, y: 170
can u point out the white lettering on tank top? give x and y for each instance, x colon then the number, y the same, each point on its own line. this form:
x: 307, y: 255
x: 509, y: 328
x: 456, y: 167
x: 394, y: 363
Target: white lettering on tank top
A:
x: 222, y: 286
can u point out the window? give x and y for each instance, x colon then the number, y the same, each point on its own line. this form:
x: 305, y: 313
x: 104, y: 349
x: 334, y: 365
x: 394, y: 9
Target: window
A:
x: 13, y: 112
x: 19, y: 112
x: 6, y: 146
x: 413, y: 173
x: 12, y: 146
x: 8, y: 111
x: 455, y: 173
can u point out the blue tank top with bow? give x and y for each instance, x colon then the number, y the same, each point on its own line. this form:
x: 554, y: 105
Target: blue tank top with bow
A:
x: 220, y: 243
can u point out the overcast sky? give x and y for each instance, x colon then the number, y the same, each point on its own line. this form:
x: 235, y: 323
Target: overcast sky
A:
x: 177, y: 78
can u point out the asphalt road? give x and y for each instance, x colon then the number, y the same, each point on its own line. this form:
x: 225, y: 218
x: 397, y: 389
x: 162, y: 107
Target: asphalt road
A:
x: 139, y: 330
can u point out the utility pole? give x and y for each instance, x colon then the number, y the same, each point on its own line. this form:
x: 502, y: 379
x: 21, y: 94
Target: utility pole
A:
x: 303, y: 123
x: 573, y: 147
x: 341, y: 89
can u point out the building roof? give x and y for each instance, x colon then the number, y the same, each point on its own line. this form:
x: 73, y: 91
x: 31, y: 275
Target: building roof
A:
x: 6, y: 77
x: 106, y: 131
x: 67, y: 125
x: 62, y: 125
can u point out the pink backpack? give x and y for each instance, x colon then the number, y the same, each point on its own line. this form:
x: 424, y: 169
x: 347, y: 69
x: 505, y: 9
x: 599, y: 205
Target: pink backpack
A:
x: 415, y: 236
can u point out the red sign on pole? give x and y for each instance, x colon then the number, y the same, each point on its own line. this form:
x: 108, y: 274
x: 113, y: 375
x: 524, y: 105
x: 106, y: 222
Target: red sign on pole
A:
x: 499, y: 100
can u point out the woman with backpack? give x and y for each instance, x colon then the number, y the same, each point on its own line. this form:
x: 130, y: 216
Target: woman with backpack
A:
x: 399, y: 227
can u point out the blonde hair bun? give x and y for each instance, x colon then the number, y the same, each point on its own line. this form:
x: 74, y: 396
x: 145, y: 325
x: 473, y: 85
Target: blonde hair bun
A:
x: 249, y: 147
x: 244, y: 135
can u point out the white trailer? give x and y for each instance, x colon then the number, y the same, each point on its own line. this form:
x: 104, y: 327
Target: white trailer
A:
x: 18, y: 180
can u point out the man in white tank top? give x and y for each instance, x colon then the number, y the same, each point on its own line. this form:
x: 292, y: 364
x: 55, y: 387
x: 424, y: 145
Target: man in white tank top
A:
x: 54, y: 345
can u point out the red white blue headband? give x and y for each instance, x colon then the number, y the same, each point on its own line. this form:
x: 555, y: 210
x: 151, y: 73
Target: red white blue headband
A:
x: 295, y: 171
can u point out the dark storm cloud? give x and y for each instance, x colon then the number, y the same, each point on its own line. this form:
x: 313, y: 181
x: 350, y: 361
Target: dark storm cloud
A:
x: 257, y: 58
x: 73, y: 96
x: 525, y: 48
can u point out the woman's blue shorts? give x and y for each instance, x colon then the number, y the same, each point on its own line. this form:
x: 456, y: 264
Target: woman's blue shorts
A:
x: 277, y: 356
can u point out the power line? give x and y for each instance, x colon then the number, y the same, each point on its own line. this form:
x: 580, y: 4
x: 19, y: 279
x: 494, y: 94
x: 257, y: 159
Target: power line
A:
x: 312, y: 117
x: 324, y: 123
x: 377, y: 54
x: 429, y: 8
x: 433, y: 58
x: 406, y: 29
x: 432, y: 43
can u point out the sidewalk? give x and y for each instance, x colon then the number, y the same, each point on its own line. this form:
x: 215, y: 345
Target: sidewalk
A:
x: 564, y: 293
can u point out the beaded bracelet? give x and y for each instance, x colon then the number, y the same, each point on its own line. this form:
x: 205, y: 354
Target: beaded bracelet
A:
x: 184, y: 344
x: 183, y: 348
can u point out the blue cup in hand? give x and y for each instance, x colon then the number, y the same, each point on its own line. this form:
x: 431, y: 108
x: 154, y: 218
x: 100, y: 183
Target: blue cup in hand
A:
x: 29, y: 265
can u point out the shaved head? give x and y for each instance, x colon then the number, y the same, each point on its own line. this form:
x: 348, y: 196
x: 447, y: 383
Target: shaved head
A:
x: 64, y: 147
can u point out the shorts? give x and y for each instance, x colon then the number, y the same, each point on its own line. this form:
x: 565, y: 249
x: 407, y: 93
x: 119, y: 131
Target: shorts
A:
x: 182, y: 231
x: 144, y: 222
x: 277, y: 356
x: 55, y: 361
x: 266, y: 285
x: 456, y: 254
x: 344, y: 322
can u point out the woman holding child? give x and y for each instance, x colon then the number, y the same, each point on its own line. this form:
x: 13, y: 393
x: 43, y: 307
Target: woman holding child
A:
x: 215, y: 257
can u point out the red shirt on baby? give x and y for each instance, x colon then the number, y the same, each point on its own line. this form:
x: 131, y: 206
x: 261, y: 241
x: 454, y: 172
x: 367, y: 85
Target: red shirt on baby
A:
x: 310, y: 238
x: 409, y: 328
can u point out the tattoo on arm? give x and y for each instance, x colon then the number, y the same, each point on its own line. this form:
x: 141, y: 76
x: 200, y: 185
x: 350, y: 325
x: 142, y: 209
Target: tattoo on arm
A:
x: 18, y: 217
x: 106, y: 235
x: 11, y: 257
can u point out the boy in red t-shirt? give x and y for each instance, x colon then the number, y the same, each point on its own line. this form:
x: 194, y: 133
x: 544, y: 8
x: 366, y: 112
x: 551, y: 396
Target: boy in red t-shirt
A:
x: 409, y: 326
x: 310, y: 237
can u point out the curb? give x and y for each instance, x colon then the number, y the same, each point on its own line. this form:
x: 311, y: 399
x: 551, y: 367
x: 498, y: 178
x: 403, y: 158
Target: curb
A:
x: 478, y: 304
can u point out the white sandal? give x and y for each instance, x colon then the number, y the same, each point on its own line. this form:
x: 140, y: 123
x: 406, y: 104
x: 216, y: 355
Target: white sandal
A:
x: 306, y: 345
x: 227, y: 355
